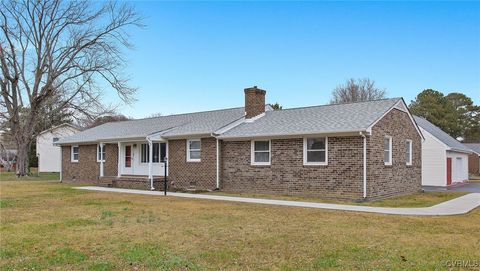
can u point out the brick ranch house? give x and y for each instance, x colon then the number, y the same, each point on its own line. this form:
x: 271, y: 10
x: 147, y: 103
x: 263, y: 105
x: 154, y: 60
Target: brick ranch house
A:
x: 356, y: 151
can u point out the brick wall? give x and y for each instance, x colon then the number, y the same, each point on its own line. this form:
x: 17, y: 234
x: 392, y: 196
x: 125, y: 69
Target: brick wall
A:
x: 384, y: 181
x: 86, y: 169
x: 192, y: 175
x: 473, y: 163
x: 341, y: 178
x: 110, y: 167
x: 254, y: 101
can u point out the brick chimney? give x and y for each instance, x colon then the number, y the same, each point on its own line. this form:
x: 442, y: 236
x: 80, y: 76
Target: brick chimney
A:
x: 254, y: 102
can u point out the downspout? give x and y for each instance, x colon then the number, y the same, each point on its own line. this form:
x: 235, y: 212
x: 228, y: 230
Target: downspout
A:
x: 218, y: 165
x: 150, y: 157
x: 61, y: 164
x: 101, y: 159
x: 364, y: 165
x: 119, y: 160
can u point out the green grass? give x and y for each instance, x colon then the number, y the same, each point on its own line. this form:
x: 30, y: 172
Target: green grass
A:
x: 34, y: 176
x: 45, y: 225
x: 421, y: 199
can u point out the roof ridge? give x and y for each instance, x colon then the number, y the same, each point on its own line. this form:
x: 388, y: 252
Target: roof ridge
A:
x: 172, y: 115
x: 325, y: 105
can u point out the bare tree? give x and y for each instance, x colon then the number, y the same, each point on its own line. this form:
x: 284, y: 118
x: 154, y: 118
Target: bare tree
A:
x: 106, y: 119
x: 69, y: 50
x: 358, y: 90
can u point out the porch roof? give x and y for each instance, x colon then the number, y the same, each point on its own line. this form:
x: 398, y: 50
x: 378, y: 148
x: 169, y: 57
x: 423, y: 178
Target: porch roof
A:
x: 180, y: 125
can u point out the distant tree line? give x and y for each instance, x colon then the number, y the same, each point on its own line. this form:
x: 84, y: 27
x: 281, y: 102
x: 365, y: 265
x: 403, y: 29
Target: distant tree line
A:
x: 455, y: 113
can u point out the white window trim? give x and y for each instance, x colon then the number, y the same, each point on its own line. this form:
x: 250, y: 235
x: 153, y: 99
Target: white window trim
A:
x: 188, y: 150
x: 148, y: 156
x: 305, y: 162
x: 71, y: 153
x: 252, y: 153
x: 390, y: 158
x: 410, y: 156
x: 98, y: 160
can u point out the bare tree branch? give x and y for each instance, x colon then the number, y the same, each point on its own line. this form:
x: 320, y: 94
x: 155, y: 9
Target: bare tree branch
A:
x: 60, y: 55
x: 359, y: 90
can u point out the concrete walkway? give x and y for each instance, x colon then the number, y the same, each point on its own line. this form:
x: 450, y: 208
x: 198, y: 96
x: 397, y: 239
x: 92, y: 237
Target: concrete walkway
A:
x: 457, y: 206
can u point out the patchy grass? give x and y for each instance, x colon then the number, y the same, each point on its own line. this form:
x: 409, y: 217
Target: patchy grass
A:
x: 34, y: 176
x: 421, y: 199
x: 48, y: 226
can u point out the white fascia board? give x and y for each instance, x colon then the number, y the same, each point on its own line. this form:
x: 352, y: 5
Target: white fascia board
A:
x: 293, y: 135
x: 250, y: 120
x: 229, y: 126
x: 435, y: 138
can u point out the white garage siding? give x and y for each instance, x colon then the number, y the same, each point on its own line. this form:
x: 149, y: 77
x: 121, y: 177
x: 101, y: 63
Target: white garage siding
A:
x: 49, y: 155
x: 459, y: 166
x: 434, y: 161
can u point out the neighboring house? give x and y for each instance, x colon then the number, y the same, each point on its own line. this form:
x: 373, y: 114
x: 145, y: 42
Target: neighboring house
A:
x: 8, y: 153
x: 474, y: 158
x: 49, y: 155
x: 355, y: 151
x: 444, y: 159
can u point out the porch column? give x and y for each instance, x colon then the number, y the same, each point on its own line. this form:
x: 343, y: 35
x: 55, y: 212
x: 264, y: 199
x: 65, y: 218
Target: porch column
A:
x: 150, y: 158
x: 119, y: 167
x: 101, y: 159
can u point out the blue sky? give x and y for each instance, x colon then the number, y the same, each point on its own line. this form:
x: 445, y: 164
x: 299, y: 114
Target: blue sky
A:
x: 194, y: 56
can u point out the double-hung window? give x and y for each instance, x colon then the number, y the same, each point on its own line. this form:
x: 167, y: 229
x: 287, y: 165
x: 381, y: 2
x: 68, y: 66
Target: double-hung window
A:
x: 194, y: 149
x: 315, y: 151
x: 145, y: 153
x: 100, y: 153
x: 74, y: 154
x: 408, y: 146
x: 387, y: 150
x: 260, y: 154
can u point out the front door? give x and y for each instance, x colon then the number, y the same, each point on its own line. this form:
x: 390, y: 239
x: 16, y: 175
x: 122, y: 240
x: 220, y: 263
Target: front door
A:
x: 128, y: 160
x: 449, y: 171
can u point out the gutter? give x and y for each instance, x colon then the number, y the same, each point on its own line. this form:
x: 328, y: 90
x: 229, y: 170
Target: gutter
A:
x: 295, y: 135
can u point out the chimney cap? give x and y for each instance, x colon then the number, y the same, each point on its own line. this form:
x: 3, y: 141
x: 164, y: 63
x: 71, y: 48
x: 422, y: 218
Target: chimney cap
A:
x: 256, y: 89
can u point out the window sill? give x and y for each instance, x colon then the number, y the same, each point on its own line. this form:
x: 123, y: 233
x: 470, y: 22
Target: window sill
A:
x: 260, y: 165
x: 72, y: 161
x: 315, y: 164
x: 194, y: 161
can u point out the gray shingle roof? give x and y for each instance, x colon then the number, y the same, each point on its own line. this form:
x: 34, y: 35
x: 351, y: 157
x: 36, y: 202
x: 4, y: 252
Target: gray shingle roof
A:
x: 440, y: 135
x: 337, y: 118
x: 474, y: 147
x: 172, y: 126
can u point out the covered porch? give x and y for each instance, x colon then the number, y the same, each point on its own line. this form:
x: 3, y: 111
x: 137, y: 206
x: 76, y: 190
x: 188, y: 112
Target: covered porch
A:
x: 138, y: 162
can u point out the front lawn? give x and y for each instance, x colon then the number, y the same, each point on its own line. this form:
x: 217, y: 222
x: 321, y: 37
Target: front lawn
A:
x: 34, y: 176
x: 48, y: 225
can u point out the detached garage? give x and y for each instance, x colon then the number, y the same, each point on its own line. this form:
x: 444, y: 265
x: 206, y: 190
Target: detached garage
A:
x: 444, y: 159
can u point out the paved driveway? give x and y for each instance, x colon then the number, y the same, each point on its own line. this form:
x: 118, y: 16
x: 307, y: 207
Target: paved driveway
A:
x: 468, y: 187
